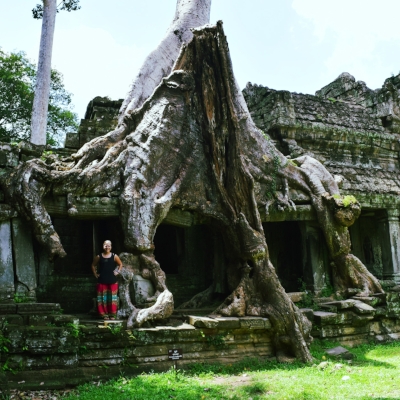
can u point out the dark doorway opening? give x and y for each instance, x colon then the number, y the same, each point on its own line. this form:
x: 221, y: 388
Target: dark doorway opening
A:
x: 285, y: 248
x: 77, y: 239
x: 169, y: 247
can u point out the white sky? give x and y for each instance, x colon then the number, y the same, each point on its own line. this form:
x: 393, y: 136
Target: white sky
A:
x: 296, y: 45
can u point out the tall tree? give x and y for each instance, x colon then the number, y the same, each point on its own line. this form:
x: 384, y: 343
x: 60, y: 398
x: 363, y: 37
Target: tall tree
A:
x: 47, y: 12
x: 192, y: 145
x: 17, y: 88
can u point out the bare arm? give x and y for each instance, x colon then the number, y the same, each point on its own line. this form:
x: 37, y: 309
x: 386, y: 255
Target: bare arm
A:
x: 94, y: 266
x: 119, y: 262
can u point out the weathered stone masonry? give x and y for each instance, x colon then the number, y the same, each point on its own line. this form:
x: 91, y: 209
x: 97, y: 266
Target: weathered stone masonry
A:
x: 353, y: 131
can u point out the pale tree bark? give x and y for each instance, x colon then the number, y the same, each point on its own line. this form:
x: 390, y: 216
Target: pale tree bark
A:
x: 43, y: 79
x: 194, y: 146
x: 158, y: 64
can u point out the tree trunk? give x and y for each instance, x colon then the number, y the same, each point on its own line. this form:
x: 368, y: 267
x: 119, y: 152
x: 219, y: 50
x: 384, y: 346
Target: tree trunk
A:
x: 42, y: 90
x: 158, y: 64
x: 193, y: 146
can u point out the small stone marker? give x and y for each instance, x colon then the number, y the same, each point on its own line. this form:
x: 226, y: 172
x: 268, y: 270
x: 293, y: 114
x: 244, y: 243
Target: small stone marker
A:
x: 340, y: 352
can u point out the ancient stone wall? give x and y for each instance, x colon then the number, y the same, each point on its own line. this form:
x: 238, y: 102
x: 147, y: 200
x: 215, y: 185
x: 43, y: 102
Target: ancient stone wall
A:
x: 47, y: 349
x: 353, y: 131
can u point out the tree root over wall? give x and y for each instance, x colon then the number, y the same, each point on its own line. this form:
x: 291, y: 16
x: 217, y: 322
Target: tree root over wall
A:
x: 193, y: 145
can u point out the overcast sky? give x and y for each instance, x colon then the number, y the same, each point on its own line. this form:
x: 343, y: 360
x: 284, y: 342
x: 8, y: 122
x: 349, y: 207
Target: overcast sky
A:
x: 297, y: 45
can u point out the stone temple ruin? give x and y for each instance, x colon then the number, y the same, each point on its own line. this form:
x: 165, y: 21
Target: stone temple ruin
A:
x: 352, y: 130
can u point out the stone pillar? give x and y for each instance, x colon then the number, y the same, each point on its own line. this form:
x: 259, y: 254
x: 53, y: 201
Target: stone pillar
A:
x: 7, y: 288
x: 314, y: 257
x: 46, y: 268
x: 390, y: 231
x: 25, y: 269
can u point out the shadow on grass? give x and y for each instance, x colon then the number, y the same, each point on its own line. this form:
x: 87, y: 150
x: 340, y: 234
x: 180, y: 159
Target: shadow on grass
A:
x: 361, y: 353
x: 318, y: 349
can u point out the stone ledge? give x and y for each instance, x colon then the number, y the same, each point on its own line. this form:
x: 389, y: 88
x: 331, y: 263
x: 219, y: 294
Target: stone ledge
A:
x: 38, y: 308
x: 202, y: 322
x: 362, y: 308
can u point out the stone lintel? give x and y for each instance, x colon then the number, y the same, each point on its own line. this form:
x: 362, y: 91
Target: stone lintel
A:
x: 302, y: 213
x: 177, y: 217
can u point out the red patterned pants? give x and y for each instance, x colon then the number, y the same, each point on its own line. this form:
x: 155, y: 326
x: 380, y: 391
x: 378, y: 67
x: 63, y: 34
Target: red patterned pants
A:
x: 107, y: 299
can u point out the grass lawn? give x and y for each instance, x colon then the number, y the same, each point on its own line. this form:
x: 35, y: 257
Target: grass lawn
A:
x: 373, y: 374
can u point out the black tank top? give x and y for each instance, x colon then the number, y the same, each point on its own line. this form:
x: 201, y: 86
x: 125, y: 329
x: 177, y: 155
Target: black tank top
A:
x: 106, y: 270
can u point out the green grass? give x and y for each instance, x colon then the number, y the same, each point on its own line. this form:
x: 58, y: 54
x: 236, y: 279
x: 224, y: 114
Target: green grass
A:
x: 373, y: 374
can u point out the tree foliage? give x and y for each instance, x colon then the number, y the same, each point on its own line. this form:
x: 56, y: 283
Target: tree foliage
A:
x: 17, y: 87
x: 67, y: 5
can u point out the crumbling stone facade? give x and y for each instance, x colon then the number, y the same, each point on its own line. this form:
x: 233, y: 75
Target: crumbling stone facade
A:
x: 354, y: 132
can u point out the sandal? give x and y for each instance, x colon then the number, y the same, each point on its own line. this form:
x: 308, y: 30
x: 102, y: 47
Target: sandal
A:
x: 105, y: 317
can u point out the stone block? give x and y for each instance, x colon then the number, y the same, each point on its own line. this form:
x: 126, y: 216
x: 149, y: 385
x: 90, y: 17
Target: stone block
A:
x: 72, y: 140
x: 38, y: 308
x: 387, y: 338
x: 361, y: 320
x: 308, y: 313
x: 335, y: 319
x: 340, y: 331
x: 340, y: 352
x: 13, y: 319
x: 381, y: 297
x: 40, y: 320
x: 24, y: 256
x: 254, y: 323
x: 8, y: 309
x: 62, y: 320
x: 394, y: 336
x: 390, y: 325
x: 362, y: 308
x: 375, y: 328
x: 39, y: 345
x: 324, y: 317
x: 228, y: 322
x: 341, y: 304
x: 267, y: 323
x: 329, y: 307
x: 380, y: 311
x: 7, y: 288
x: 179, y: 218
x: 296, y: 297
x: 202, y: 322
x: 371, y: 301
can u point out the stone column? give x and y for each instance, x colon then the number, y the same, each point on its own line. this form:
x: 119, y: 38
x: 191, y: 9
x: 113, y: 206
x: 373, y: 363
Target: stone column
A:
x: 25, y: 269
x: 46, y: 268
x: 7, y: 288
x: 390, y: 231
x: 314, y: 257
